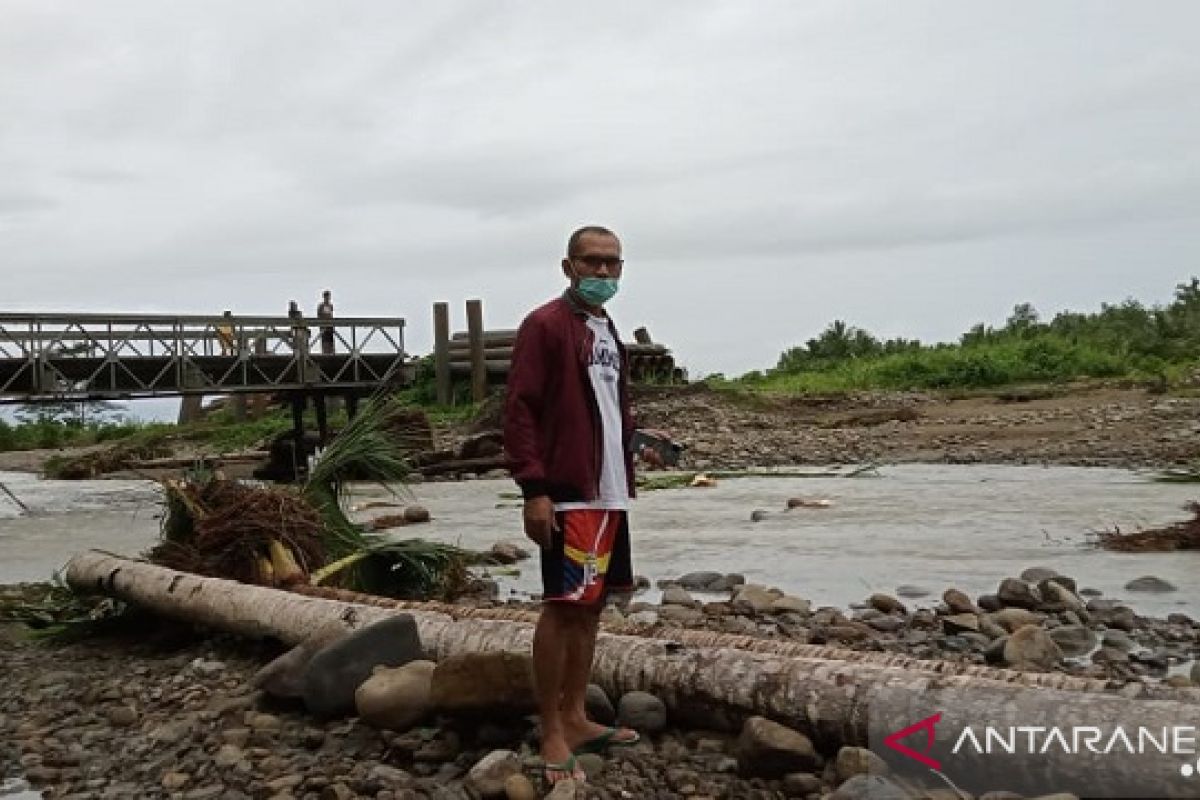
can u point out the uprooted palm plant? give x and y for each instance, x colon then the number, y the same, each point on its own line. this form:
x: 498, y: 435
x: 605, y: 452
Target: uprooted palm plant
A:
x: 254, y: 534
x: 283, y: 536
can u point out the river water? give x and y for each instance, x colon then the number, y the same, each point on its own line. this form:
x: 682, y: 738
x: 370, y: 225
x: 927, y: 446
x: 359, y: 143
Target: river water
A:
x: 934, y: 526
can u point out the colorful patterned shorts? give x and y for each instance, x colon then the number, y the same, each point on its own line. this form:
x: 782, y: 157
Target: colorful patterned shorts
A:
x: 588, y: 557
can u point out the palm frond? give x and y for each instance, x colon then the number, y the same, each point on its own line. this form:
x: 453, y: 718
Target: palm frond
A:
x: 403, y: 568
x: 369, y: 448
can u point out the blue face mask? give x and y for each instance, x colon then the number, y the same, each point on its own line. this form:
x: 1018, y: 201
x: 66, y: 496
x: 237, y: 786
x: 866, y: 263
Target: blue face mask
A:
x: 597, y: 291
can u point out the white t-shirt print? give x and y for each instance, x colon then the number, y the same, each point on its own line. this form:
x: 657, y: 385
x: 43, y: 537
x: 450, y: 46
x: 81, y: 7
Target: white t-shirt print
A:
x: 604, y: 368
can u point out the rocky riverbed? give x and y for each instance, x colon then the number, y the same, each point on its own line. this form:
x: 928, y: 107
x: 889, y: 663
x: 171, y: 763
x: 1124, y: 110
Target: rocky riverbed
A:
x: 172, y: 715
x: 160, y: 710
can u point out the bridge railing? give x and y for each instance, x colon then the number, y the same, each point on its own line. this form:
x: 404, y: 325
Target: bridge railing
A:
x: 123, y: 354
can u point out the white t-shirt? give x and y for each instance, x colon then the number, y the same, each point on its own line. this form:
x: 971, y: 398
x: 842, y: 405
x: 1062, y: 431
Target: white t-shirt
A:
x: 604, y: 368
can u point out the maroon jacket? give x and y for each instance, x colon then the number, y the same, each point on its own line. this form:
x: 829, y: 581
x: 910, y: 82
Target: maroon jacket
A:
x: 551, y: 419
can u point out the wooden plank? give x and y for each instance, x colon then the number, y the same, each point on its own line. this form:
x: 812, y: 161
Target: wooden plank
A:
x: 489, y: 336
x: 478, y: 362
x: 489, y: 354
x: 465, y: 465
x: 441, y: 351
x: 497, y: 366
x: 462, y: 355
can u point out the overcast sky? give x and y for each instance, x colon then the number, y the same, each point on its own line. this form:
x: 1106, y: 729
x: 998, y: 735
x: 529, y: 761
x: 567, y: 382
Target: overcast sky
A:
x: 911, y: 167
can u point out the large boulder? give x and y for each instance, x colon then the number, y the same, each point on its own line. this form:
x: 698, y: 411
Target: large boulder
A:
x: 886, y: 603
x: 1015, y: 593
x: 599, y: 707
x: 960, y: 623
x: 1030, y: 647
x: 767, y: 749
x: 853, y: 761
x: 1120, y: 640
x: 1120, y: 618
x: 676, y: 595
x: 989, y: 603
x: 1056, y: 596
x: 484, y: 683
x: 1150, y: 583
x: 396, y: 698
x: 491, y: 773
x: 697, y: 581
x: 642, y: 711
x: 959, y: 602
x: 1074, y: 640
x: 1038, y: 574
x: 1012, y: 618
x: 284, y: 677
x: 335, y: 673
x: 752, y: 598
x: 508, y: 553
x: 791, y: 605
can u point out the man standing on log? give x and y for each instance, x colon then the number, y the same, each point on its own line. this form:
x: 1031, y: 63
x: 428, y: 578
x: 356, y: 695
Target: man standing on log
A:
x: 567, y: 432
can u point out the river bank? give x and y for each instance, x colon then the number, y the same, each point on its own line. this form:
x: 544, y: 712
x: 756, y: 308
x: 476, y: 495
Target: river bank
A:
x: 1078, y: 425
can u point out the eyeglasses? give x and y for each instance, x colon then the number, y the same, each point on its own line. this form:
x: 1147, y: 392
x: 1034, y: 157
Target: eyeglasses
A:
x: 596, y: 262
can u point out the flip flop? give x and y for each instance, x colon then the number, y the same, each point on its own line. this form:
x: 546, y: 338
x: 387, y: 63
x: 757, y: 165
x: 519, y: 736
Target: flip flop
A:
x: 568, y: 769
x: 608, y: 739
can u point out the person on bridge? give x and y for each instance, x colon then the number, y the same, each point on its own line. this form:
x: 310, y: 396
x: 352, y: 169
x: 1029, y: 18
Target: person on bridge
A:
x: 299, y: 331
x: 325, y: 311
x: 568, y: 427
x: 225, y: 334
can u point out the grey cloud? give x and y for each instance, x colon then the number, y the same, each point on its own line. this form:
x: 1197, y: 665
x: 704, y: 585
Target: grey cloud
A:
x: 24, y: 202
x: 213, y: 153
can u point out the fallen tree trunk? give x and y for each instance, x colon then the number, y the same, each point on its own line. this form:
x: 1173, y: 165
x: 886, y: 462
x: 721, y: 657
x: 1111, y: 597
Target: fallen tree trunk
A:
x: 483, y: 464
x: 831, y: 700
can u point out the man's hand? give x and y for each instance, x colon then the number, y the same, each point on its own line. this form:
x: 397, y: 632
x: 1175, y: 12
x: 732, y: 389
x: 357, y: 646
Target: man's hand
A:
x: 539, y: 520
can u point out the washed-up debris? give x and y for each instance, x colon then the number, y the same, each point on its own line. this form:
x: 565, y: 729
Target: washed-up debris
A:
x: 283, y: 536
x: 375, y: 504
x: 1177, y: 536
x: 1178, y: 475
x: 808, y: 502
x: 24, y: 508
x: 683, y: 479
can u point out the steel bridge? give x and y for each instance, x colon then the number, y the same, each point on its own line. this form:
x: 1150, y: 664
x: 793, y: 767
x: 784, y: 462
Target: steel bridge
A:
x: 79, y: 357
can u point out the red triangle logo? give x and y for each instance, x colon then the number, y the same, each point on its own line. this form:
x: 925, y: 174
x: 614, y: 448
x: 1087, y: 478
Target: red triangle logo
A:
x: 928, y: 725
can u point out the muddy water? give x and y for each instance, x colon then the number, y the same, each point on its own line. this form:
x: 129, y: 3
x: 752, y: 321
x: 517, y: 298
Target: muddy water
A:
x: 932, y: 526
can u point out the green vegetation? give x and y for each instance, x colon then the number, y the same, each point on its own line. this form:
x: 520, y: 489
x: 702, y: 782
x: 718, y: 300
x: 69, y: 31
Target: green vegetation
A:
x: 1157, y: 344
x: 423, y: 394
x: 51, y: 433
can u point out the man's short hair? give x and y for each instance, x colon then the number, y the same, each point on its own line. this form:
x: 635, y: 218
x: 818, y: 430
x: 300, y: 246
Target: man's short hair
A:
x: 586, y: 230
